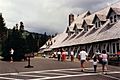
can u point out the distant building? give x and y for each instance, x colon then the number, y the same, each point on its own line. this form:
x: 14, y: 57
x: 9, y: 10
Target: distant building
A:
x: 93, y: 31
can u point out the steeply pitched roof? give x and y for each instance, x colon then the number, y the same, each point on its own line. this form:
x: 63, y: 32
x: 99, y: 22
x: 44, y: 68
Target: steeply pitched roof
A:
x: 59, y: 38
x: 100, y: 17
x: 78, y: 21
x: 117, y: 10
x: 105, y: 32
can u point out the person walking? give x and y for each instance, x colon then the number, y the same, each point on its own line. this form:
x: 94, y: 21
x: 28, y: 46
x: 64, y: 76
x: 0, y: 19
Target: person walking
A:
x: 95, y: 61
x: 104, y: 57
x: 11, y: 54
x: 83, y: 55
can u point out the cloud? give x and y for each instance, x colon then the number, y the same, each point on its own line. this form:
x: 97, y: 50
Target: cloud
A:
x: 46, y: 15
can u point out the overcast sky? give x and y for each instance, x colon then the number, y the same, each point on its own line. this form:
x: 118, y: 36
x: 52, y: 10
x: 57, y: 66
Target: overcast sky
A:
x: 46, y: 15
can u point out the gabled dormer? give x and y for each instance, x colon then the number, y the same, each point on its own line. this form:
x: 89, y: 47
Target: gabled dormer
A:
x: 113, y: 15
x: 87, y: 14
x: 77, y: 28
x: 99, y: 20
x: 69, y: 32
x: 86, y: 25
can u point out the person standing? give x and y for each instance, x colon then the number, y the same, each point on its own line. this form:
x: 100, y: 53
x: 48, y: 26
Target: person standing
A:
x: 104, y: 57
x: 54, y: 54
x: 63, y: 57
x: 59, y: 55
x: 72, y: 55
x: 11, y: 54
x: 83, y: 56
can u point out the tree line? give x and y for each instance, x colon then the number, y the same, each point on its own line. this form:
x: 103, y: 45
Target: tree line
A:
x: 22, y: 41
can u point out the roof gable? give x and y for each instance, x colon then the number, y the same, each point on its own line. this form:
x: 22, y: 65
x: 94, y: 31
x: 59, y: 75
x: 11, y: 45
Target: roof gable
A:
x: 67, y: 30
x: 99, y: 17
x: 84, y: 22
x: 86, y: 14
x: 115, y: 10
x: 75, y: 26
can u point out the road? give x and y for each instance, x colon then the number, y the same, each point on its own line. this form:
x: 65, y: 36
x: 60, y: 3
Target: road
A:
x: 51, y: 69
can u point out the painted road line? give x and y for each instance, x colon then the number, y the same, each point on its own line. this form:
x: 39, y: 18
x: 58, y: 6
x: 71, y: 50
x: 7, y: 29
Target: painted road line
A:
x: 55, y: 73
x: 40, y: 71
x: 78, y: 75
x: 9, y: 78
x: 9, y: 74
x: 57, y: 77
x: 47, y: 71
x: 56, y: 70
x: 70, y: 71
x: 112, y: 77
x: 31, y: 75
x: 64, y: 76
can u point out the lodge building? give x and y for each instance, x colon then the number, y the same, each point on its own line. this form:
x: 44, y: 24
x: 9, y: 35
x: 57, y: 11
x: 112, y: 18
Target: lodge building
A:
x: 93, y: 31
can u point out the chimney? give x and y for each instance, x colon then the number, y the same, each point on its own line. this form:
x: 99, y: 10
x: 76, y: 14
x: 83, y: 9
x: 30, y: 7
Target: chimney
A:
x: 71, y: 18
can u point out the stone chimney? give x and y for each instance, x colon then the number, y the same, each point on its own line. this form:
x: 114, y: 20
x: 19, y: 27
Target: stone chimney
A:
x: 71, y: 18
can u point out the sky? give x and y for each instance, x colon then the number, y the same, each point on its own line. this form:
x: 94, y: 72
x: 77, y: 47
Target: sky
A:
x: 49, y: 16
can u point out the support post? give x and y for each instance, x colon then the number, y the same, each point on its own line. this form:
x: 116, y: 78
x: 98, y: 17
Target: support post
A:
x: 29, y: 66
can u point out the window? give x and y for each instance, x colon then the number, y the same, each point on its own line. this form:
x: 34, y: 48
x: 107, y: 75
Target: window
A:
x: 108, y: 48
x: 115, y: 18
x: 111, y: 19
x: 76, y: 31
x: 85, y: 28
x: 117, y: 47
x: 99, y: 24
x: 96, y: 24
x: 69, y: 33
x: 113, y: 47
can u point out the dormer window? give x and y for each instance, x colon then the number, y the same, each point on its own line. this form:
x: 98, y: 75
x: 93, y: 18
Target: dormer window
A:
x: 111, y: 19
x: 97, y: 24
x: 86, y: 28
x: 113, y: 15
x: 76, y: 31
x: 69, y: 33
x: 115, y: 18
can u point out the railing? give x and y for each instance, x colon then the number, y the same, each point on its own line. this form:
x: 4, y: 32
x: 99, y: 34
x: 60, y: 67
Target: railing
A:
x: 114, y: 59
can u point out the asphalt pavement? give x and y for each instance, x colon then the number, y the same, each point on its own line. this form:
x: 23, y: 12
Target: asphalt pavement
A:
x: 51, y: 69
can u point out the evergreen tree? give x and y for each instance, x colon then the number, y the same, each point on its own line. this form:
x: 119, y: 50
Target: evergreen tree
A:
x: 30, y: 43
x: 21, y: 26
x: 3, y: 32
x: 2, y: 25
